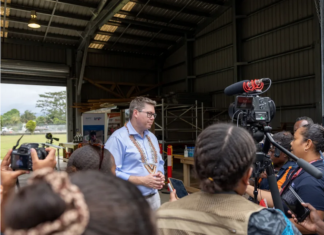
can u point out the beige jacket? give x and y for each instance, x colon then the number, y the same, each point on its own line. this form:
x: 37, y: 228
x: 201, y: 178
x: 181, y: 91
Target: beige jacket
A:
x: 204, y: 213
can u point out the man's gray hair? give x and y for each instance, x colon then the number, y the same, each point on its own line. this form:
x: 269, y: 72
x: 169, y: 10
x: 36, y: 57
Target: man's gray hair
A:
x: 139, y: 103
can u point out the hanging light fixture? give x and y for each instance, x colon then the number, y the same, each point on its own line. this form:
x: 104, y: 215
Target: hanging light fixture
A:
x: 33, y: 21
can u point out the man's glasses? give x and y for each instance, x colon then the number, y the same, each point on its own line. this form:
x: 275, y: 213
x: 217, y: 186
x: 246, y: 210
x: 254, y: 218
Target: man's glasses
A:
x: 149, y: 115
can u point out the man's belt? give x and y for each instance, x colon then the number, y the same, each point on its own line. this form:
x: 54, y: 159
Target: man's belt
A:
x: 149, y: 196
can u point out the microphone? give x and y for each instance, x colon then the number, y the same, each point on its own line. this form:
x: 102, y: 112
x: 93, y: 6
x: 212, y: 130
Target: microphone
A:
x: 236, y: 88
x: 245, y: 86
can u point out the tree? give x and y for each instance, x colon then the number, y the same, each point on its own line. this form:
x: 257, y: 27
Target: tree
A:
x: 41, y: 120
x: 11, y: 117
x: 53, y: 105
x: 30, y: 126
x: 27, y: 115
x: 1, y: 122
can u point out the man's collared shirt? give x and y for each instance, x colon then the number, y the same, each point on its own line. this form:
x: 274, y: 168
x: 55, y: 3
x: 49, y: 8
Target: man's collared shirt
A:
x: 127, y: 157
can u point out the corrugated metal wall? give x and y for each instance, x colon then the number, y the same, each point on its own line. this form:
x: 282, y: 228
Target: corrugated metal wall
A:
x: 33, y: 53
x: 116, y: 68
x: 280, y: 40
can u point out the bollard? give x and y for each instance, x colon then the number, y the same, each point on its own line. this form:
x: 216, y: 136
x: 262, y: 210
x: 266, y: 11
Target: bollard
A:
x: 169, y: 161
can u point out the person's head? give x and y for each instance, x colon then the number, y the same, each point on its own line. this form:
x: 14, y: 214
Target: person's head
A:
x: 283, y: 138
x: 93, y: 136
x: 88, y: 158
x: 302, y: 121
x: 87, y: 203
x: 142, y: 111
x: 308, y: 141
x: 223, y: 158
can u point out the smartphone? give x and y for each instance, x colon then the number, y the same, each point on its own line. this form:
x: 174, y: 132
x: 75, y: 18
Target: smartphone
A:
x: 179, y: 187
x: 294, y: 203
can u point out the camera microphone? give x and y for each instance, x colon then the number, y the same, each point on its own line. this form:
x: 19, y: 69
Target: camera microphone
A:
x: 236, y: 88
x: 245, y: 86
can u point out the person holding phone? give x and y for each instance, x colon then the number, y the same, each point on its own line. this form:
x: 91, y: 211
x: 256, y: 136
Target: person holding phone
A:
x: 223, y: 160
x: 308, y: 141
x: 313, y: 222
x: 137, y: 153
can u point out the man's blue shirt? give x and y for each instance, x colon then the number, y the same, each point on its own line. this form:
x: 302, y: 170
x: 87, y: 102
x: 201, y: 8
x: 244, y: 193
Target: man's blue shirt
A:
x: 127, y: 157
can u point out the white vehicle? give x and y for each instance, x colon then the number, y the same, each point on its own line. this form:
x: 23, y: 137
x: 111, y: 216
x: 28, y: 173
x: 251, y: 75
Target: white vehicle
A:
x: 6, y: 130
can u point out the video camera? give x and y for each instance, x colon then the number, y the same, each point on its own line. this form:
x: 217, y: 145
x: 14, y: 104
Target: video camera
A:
x: 249, y: 109
x: 21, y: 157
x: 255, y: 114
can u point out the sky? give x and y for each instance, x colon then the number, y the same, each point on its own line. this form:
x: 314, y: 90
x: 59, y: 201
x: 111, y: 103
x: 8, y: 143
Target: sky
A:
x: 23, y: 97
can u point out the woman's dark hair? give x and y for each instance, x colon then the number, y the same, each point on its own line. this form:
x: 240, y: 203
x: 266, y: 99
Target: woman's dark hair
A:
x: 88, y: 158
x: 284, y: 138
x: 223, y: 154
x: 315, y: 133
x: 33, y: 205
x: 115, y: 206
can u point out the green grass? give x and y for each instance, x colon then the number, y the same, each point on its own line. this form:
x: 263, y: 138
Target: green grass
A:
x: 8, y: 141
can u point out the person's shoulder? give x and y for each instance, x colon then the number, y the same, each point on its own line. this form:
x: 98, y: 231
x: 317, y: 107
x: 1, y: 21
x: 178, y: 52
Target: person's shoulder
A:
x: 269, y: 221
x: 120, y: 133
x: 152, y: 136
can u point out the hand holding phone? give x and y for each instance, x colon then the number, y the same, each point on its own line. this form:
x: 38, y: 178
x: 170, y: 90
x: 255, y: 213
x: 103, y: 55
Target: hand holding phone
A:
x: 179, y: 188
x: 294, y: 203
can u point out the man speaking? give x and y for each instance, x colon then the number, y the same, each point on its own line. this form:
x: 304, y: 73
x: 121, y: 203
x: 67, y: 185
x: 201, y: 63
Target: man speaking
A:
x: 136, y: 151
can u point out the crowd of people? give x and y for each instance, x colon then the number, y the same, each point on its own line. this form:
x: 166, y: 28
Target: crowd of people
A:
x: 113, y: 188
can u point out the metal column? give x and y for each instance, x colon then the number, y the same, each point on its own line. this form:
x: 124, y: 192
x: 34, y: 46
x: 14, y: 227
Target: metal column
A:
x: 322, y: 57
x: 163, y: 128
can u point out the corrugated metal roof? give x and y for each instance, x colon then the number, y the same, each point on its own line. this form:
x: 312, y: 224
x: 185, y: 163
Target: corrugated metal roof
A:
x: 69, y: 21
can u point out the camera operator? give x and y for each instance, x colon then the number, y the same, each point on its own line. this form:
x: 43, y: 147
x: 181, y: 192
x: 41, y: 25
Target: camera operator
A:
x: 9, y: 177
x: 280, y: 160
x: 223, y: 160
x: 308, y: 141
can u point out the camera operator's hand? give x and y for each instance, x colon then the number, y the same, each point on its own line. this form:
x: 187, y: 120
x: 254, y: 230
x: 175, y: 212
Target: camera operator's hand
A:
x: 8, y: 176
x: 263, y: 175
x: 313, y: 222
x: 49, y: 161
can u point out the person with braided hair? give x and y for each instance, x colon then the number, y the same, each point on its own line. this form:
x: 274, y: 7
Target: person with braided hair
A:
x: 86, y: 202
x: 223, y: 160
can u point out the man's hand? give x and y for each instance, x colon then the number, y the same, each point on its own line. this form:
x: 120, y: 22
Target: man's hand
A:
x: 155, y: 181
x: 161, y: 175
x: 8, y: 176
x: 49, y: 161
x: 312, y: 221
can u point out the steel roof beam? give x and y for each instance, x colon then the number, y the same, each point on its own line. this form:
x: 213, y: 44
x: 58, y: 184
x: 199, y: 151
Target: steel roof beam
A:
x: 157, y: 18
x: 172, y: 8
x: 76, y: 3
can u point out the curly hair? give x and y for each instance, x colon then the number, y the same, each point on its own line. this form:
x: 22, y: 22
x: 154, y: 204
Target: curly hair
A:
x: 315, y: 133
x: 223, y: 154
x: 284, y: 138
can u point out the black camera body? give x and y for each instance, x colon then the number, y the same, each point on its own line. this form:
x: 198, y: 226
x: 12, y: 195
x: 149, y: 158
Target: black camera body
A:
x: 21, y: 157
x: 253, y: 112
x: 252, y: 109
